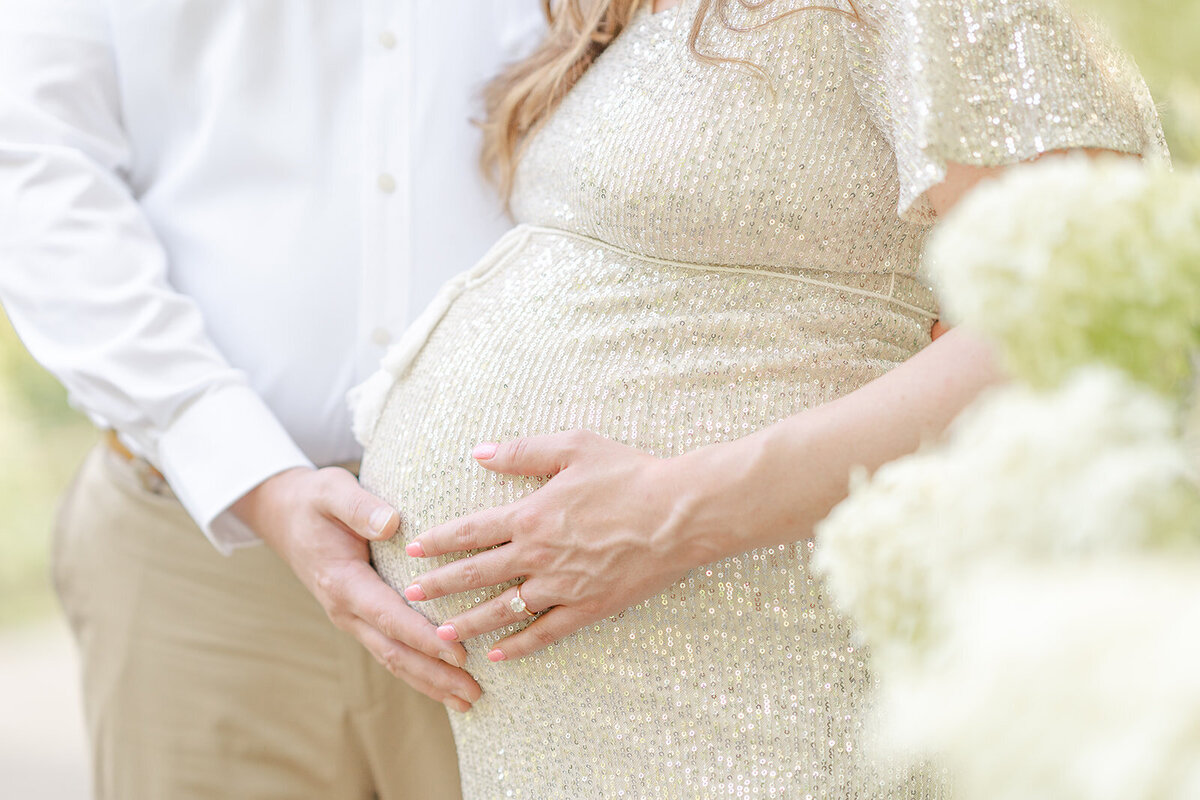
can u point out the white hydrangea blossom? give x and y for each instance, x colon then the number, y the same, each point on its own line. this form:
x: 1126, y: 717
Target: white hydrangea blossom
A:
x: 1093, y: 467
x: 1073, y: 261
x: 1072, y: 682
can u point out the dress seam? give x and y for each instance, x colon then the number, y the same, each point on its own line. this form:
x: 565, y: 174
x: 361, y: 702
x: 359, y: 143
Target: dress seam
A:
x: 759, y: 271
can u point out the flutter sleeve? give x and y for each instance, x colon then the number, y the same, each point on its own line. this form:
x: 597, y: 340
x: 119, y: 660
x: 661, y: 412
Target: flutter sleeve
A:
x: 992, y: 82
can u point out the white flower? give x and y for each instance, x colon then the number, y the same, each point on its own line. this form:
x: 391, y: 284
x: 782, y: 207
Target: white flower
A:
x: 1074, y: 261
x: 1072, y: 683
x: 1093, y: 467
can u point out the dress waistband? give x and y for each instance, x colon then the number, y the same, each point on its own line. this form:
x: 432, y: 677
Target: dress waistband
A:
x: 850, y: 282
x: 368, y: 398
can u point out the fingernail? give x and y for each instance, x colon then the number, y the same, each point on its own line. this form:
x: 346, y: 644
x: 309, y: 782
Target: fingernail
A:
x: 496, y: 655
x: 449, y: 658
x: 457, y: 704
x: 414, y: 593
x: 415, y: 550
x: 484, y: 451
x: 447, y: 633
x: 380, y: 518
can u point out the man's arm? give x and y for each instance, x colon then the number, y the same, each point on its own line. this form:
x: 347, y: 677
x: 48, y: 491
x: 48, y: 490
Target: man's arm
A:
x: 84, y: 280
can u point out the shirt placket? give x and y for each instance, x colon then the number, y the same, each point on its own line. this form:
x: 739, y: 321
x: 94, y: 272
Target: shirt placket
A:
x: 386, y: 176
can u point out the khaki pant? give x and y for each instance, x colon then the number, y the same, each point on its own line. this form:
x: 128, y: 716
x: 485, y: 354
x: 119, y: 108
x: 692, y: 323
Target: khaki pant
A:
x: 213, y: 677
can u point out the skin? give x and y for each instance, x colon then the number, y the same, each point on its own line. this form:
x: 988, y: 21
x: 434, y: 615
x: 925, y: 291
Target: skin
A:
x: 320, y: 522
x: 615, y: 526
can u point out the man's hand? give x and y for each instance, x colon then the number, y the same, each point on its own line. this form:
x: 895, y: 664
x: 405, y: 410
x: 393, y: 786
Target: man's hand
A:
x: 319, y: 522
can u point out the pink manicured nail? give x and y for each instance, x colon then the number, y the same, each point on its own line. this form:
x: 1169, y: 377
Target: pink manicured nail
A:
x: 414, y: 593
x: 484, y: 451
x: 496, y: 655
x: 447, y: 633
x: 415, y: 550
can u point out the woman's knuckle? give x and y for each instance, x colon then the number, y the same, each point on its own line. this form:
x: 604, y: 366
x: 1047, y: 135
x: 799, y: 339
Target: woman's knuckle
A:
x: 500, y: 612
x: 543, y: 635
x: 578, y: 438
x: 470, y: 573
x: 464, y: 534
x: 538, y: 557
x: 526, y: 519
x: 518, y: 448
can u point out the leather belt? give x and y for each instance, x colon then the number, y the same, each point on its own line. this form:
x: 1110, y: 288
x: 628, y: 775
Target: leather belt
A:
x: 151, y: 479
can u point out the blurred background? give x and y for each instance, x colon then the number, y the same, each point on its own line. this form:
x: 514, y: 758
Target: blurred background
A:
x: 42, y: 441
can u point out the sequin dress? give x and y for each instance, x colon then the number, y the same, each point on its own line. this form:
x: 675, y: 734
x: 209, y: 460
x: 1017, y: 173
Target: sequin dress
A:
x: 702, y: 251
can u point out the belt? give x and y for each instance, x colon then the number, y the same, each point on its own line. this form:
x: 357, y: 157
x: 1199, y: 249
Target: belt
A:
x: 151, y: 479
x: 154, y: 481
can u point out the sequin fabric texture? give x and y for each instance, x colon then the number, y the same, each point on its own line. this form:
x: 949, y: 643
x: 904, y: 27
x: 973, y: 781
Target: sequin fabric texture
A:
x: 703, y: 251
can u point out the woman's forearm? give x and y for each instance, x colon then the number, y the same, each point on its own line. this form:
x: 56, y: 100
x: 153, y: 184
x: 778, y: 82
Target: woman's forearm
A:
x: 775, y: 485
x: 614, y: 525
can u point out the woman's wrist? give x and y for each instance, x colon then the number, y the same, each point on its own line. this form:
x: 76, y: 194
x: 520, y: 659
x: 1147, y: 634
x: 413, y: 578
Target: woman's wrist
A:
x: 727, y: 498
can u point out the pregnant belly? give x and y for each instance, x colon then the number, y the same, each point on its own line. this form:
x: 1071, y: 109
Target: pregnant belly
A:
x: 740, y: 656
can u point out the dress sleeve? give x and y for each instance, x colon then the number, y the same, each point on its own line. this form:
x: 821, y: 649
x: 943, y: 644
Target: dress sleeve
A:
x: 992, y: 82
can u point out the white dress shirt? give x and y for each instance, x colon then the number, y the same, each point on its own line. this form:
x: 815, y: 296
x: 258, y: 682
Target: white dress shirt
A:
x: 216, y: 214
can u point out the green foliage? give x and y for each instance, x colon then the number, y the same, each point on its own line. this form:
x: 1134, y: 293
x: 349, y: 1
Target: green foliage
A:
x: 1161, y: 34
x: 41, y: 441
x: 37, y: 396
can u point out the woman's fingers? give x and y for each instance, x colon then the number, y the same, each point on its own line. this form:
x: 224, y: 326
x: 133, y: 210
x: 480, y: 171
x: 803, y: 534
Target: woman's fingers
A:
x: 489, y: 568
x: 486, y: 528
x: 491, y: 615
x: 534, y: 455
x: 557, y: 623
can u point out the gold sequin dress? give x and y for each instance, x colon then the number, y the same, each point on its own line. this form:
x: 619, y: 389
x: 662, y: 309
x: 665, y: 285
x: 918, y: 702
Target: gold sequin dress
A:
x: 701, y: 252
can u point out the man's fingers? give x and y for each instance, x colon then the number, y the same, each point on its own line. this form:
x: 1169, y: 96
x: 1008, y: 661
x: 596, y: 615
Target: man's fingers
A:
x: 428, y: 676
x: 343, y: 500
x: 533, y: 455
x: 378, y: 605
x: 553, y: 625
x: 488, y: 568
x: 486, y: 528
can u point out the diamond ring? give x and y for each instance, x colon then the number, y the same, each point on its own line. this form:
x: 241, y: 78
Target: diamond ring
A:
x: 517, y: 604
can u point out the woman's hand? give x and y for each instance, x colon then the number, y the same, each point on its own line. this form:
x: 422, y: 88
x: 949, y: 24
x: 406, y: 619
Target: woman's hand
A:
x: 602, y: 535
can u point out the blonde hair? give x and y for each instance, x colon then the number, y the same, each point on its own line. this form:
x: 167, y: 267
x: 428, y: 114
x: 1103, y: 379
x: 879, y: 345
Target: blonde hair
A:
x: 523, y: 95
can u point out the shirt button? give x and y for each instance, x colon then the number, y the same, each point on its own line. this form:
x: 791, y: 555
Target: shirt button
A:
x: 387, y: 39
x: 381, y: 337
x: 387, y: 184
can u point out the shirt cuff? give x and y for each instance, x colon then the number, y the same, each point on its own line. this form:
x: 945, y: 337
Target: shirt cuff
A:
x: 221, y: 447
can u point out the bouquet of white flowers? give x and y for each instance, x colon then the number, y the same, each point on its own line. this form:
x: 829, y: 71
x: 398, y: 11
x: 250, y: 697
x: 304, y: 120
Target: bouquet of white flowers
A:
x: 1094, y: 467
x: 1076, y: 682
x: 1086, y: 276
x: 1074, y: 261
